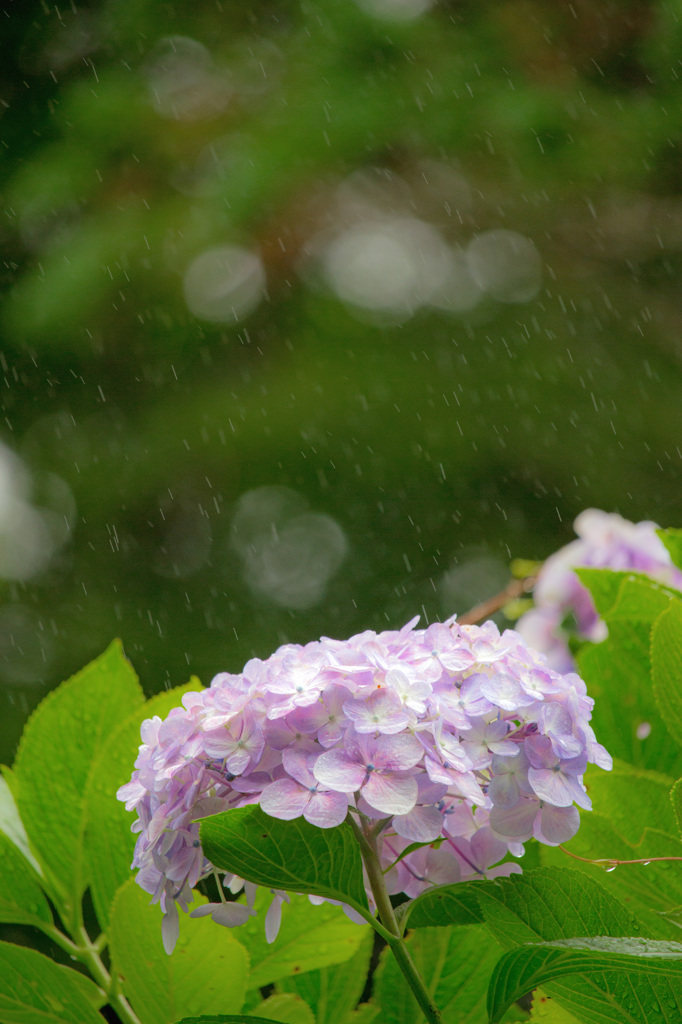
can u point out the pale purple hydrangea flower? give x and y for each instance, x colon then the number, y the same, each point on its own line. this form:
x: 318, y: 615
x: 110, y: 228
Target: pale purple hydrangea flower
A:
x: 457, y: 737
x: 605, y: 541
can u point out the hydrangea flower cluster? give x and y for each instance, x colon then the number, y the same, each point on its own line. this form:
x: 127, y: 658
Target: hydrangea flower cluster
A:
x: 459, y: 737
x: 605, y: 541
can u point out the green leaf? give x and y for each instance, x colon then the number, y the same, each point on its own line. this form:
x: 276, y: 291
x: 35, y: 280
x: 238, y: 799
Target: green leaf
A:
x: 21, y: 898
x: 435, y: 844
x: 632, y: 798
x: 333, y: 992
x: 651, y: 891
x: 618, y: 676
x: 625, y: 800
x: 229, y: 1018
x: 11, y: 824
x: 96, y: 996
x: 547, y: 904
x: 649, y: 967
x: 109, y: 843
x: 673, y: 541
x: 603, y: 585
x: 441, y: 905
x: 366, y: 1013
x: 68, y: 729
x: 640, y: 599
x: 618, y: 671
x: 625, y: 595
x: 309, y: 938
x: 291, y: 855
x: 36, y: 990
x: 666, y: 661
x: 286, y: 1008
x: 547, y: 1011
x: 455, y: 964
x: 207, y: 972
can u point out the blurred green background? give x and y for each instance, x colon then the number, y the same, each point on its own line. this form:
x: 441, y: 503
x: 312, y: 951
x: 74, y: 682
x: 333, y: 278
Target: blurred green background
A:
x: 317, y: 313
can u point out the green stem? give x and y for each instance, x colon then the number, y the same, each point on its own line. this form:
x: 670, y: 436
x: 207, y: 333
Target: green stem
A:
x: 370, y: 856
x: 59, y: 938
x: 88, y: 953
x: 376, y: 925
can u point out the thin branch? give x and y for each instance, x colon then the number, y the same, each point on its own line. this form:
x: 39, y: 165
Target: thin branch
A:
x: 514, y: 589
x: 609, y: 864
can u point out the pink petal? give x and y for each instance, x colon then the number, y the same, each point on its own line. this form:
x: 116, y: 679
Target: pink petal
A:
x: 284, y: 799
x: 517, y: 821
x: 326, y: 810
x: 557, y: 788
x: 421, y: 825
x: 504, y: 790
x: 555, y: 825
x: 381, y: 711
x: 170, y: 926
x: 337, y: 771
x: 397, y: 752
x: 390, y: 794
x: 231, y: 915
x: 295, y: 763
x: 487, y: 848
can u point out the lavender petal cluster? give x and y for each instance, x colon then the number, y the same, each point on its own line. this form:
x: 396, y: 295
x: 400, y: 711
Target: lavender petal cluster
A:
x: 605, y: 541
x: 458, y: 737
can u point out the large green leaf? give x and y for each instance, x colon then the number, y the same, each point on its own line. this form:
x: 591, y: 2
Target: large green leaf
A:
x: 36, y: 990
x: 547, y: 904
x: 21, y: 898
x: 291, y: 855
x: 618, y: 673
x: 95, y: 995
x: 309, y: 938
x: 207, y: 972
x: 227, y: 1018
x: 673, y: 541
x: 603, y: 585
x: 632, y: 798
x: 625, y: 801
x: 640, y: 599
x: 366, y: 1013
x: 666, y: 662
x: 11, y: 824
x: 618, y: 676
x: 287, y: 1008
x: 65, y: 733
x: 653, y: 891
x: 546, y: 1010
x: 109, y: 843
x: 441, y: 905
x: 652, y: 970
x: 333, y: 992
x: 455, y: 963
x: 626, y: 595
x: 551, y: 903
